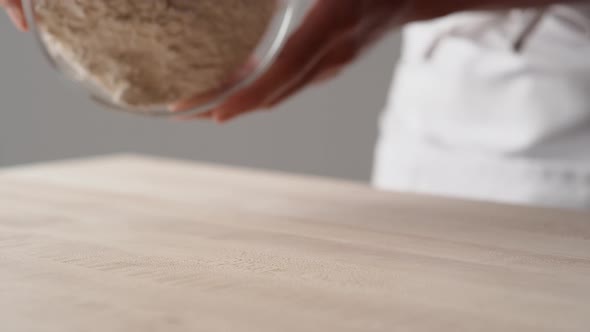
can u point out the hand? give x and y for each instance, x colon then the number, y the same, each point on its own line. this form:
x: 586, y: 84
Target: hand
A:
x: 332, y: 36
x: 14, y: 9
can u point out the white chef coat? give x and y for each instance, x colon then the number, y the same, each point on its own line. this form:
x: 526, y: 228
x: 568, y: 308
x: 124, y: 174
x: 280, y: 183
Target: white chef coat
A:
x: 470, y: 116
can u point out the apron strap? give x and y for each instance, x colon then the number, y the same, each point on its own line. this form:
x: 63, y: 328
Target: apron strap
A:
x: 518, y: 45
x: 522, y: 39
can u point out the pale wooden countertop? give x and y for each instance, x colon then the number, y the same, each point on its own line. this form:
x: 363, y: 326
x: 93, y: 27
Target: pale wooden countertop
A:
x: 134, y: 244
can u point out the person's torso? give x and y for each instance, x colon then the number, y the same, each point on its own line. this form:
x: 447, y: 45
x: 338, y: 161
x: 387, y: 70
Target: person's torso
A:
x: 509, y: 89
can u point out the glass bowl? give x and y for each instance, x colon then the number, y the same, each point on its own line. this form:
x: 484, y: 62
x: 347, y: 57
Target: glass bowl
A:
x: 264, y: 54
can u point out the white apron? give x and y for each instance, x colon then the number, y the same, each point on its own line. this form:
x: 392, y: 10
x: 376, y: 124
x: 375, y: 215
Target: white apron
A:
x: 472, y: 115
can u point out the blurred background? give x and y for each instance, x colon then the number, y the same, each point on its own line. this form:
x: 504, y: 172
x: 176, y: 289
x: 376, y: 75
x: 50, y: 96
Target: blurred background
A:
x: 328, y: 131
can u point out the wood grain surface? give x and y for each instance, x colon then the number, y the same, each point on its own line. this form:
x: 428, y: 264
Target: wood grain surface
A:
x: 130, y: 244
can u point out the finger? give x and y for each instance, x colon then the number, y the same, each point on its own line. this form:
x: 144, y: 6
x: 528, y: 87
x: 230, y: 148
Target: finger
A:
x: 339, y: 56
x: 327, y: 19
x: 14, y: 9
x: 328, y: 74
x: 344, y: 51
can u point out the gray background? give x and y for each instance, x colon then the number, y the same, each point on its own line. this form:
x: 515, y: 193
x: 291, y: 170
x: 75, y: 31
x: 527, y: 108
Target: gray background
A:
x: 328, y: 131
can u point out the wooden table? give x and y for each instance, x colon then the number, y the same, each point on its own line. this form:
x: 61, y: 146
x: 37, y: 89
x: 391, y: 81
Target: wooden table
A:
x: 135, y: 244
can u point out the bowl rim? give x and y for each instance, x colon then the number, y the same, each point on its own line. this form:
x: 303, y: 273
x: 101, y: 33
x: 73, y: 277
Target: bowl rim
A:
x: 276, y: 37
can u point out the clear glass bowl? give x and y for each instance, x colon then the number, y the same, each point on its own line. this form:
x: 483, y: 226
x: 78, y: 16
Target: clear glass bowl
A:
x: 265, y: 54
